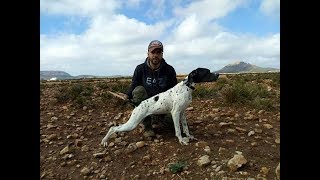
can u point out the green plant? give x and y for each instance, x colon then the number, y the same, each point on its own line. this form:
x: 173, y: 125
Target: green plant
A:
x: 120, y: 86
x: 102, y: 85
x: 106, y: 97
x: 176, y: 167
x: 78, y: 93
x: 262, y: 103
x: 241, y: 92
x: 205, y: 92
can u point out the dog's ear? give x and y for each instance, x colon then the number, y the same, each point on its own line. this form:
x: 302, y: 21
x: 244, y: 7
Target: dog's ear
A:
x: 192, y: 75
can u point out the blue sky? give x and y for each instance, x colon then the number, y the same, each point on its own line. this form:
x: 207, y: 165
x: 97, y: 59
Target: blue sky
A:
x: 110, y: 37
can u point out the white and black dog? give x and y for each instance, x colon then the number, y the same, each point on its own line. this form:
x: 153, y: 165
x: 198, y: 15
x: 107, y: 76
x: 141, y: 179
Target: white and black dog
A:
x: 174, y: 101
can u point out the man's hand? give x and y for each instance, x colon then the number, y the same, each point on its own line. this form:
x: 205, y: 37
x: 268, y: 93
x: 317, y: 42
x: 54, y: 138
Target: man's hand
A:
x: 126, y: 97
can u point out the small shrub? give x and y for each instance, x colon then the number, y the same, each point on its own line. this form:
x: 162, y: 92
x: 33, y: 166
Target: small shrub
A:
x: 106, y: 97
x: 259, y: 90
x: 41, y: 89
x: 78, y: 93
x: 102, y: 85
x: 120, y: 86
x: 221, y: 82
x: 242, y: 93
x: 176, y: 167
x: 262, y: 103
x: 204, y: 92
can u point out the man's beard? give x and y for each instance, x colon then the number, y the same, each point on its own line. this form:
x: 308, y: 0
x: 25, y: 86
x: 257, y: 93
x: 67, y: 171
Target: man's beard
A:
x: 155, y: 61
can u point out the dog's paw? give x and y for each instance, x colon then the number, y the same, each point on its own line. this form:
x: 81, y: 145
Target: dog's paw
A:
x: 192, y: 138
x: 104, y: 143
x: 184, y: 141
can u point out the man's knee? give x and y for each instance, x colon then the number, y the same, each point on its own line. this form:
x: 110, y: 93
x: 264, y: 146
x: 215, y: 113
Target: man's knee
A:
x: 139, y: 94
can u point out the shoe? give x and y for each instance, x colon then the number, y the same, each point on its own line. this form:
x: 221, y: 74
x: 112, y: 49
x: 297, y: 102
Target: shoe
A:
x: 149, y: 133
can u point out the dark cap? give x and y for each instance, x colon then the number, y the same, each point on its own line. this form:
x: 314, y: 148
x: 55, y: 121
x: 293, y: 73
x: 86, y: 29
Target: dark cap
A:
x: 154, y: 45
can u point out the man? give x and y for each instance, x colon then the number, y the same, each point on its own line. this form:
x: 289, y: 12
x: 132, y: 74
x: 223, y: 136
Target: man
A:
x: 150, y: 78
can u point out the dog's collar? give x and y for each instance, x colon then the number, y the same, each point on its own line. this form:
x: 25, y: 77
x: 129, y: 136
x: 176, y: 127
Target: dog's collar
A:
x: 187, y: 83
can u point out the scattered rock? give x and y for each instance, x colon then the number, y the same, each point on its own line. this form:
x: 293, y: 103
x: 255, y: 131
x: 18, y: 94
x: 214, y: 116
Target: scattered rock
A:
x: 52, y: 137
x: 78, y: 142
x: 131, y: 147
x: 258, y: 130
x: 232, y: 131
x: 140, y: 144
x: 111, y: 144
x: 201, y: 144
x: 215, y: 110
x: 264, y: 170
x: 98, y: 155
x: 207, y: 149
x: 230, y: 141
x: 224, y: 124
x: 85, y: 171
x: 189, y: 109
x: 65, y: 150
x: 251, y: 133
x: 50, y: 126
x: 54, y: 118
x: 241, y: 129
x: 85, y: 148
x: 203, y: 161
x: 118, y: 151
x: 236, y: 162
x: 147, y: 157
x: 118, y: 116
x: 278, y: 171
x: 268, y: 126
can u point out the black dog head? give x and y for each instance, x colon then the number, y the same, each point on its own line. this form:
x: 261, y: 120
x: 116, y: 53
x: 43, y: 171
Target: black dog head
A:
x: 202, y: 75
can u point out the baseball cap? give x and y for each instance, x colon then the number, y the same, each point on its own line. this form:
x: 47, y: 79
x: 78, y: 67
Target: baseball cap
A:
x: 154, y: 45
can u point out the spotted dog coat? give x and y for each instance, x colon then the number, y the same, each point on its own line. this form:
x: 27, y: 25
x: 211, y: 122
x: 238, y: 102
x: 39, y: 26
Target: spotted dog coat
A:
x: 174, y: 101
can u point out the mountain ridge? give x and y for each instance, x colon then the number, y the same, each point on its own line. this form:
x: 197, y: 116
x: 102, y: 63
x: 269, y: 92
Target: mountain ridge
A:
x: 236, y: 67
x: 243, y: 67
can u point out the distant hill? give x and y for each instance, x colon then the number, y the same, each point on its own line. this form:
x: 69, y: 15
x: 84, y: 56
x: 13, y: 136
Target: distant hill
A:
x: 242, y: 67
x: 61, y: 75
x: 237, y: 67
x: 46, y: 75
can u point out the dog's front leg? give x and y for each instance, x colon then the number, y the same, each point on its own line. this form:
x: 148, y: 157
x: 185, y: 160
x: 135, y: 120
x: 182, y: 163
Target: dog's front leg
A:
x: 185, y: 126
x: 176, y: 118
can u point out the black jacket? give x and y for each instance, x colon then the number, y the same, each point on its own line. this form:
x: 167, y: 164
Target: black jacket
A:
x: 154, y: 81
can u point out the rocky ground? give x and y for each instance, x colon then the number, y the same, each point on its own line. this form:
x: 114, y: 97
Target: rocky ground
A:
x: 233, y: 143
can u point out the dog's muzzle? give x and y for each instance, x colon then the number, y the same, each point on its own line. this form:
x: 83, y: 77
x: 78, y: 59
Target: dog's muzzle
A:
x: 212, y: 77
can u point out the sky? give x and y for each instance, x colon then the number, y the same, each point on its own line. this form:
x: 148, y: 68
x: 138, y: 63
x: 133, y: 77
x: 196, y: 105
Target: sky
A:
x: 111, y: 37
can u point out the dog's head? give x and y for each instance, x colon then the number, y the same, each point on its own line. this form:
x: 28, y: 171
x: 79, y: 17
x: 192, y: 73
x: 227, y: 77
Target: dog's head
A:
x: 202, y: 75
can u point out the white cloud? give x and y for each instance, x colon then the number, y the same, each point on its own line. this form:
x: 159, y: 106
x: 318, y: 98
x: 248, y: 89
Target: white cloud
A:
x: 224, y: 48
x: 270, y: 7
x: 82, y: 7
x: 132, y: 3
x: 192, y: 27
x: 157, y: 9
x: 209, y: 9
x: 117, y: 39
x: 114, y: 44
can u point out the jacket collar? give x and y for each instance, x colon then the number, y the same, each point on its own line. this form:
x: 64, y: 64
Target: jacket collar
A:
x: 163, y: 62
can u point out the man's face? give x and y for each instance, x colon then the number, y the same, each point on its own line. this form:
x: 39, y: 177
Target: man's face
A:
x: 155, y: 56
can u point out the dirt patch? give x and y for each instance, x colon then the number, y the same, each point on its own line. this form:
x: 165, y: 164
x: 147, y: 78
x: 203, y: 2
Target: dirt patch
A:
x: 226, y: 131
